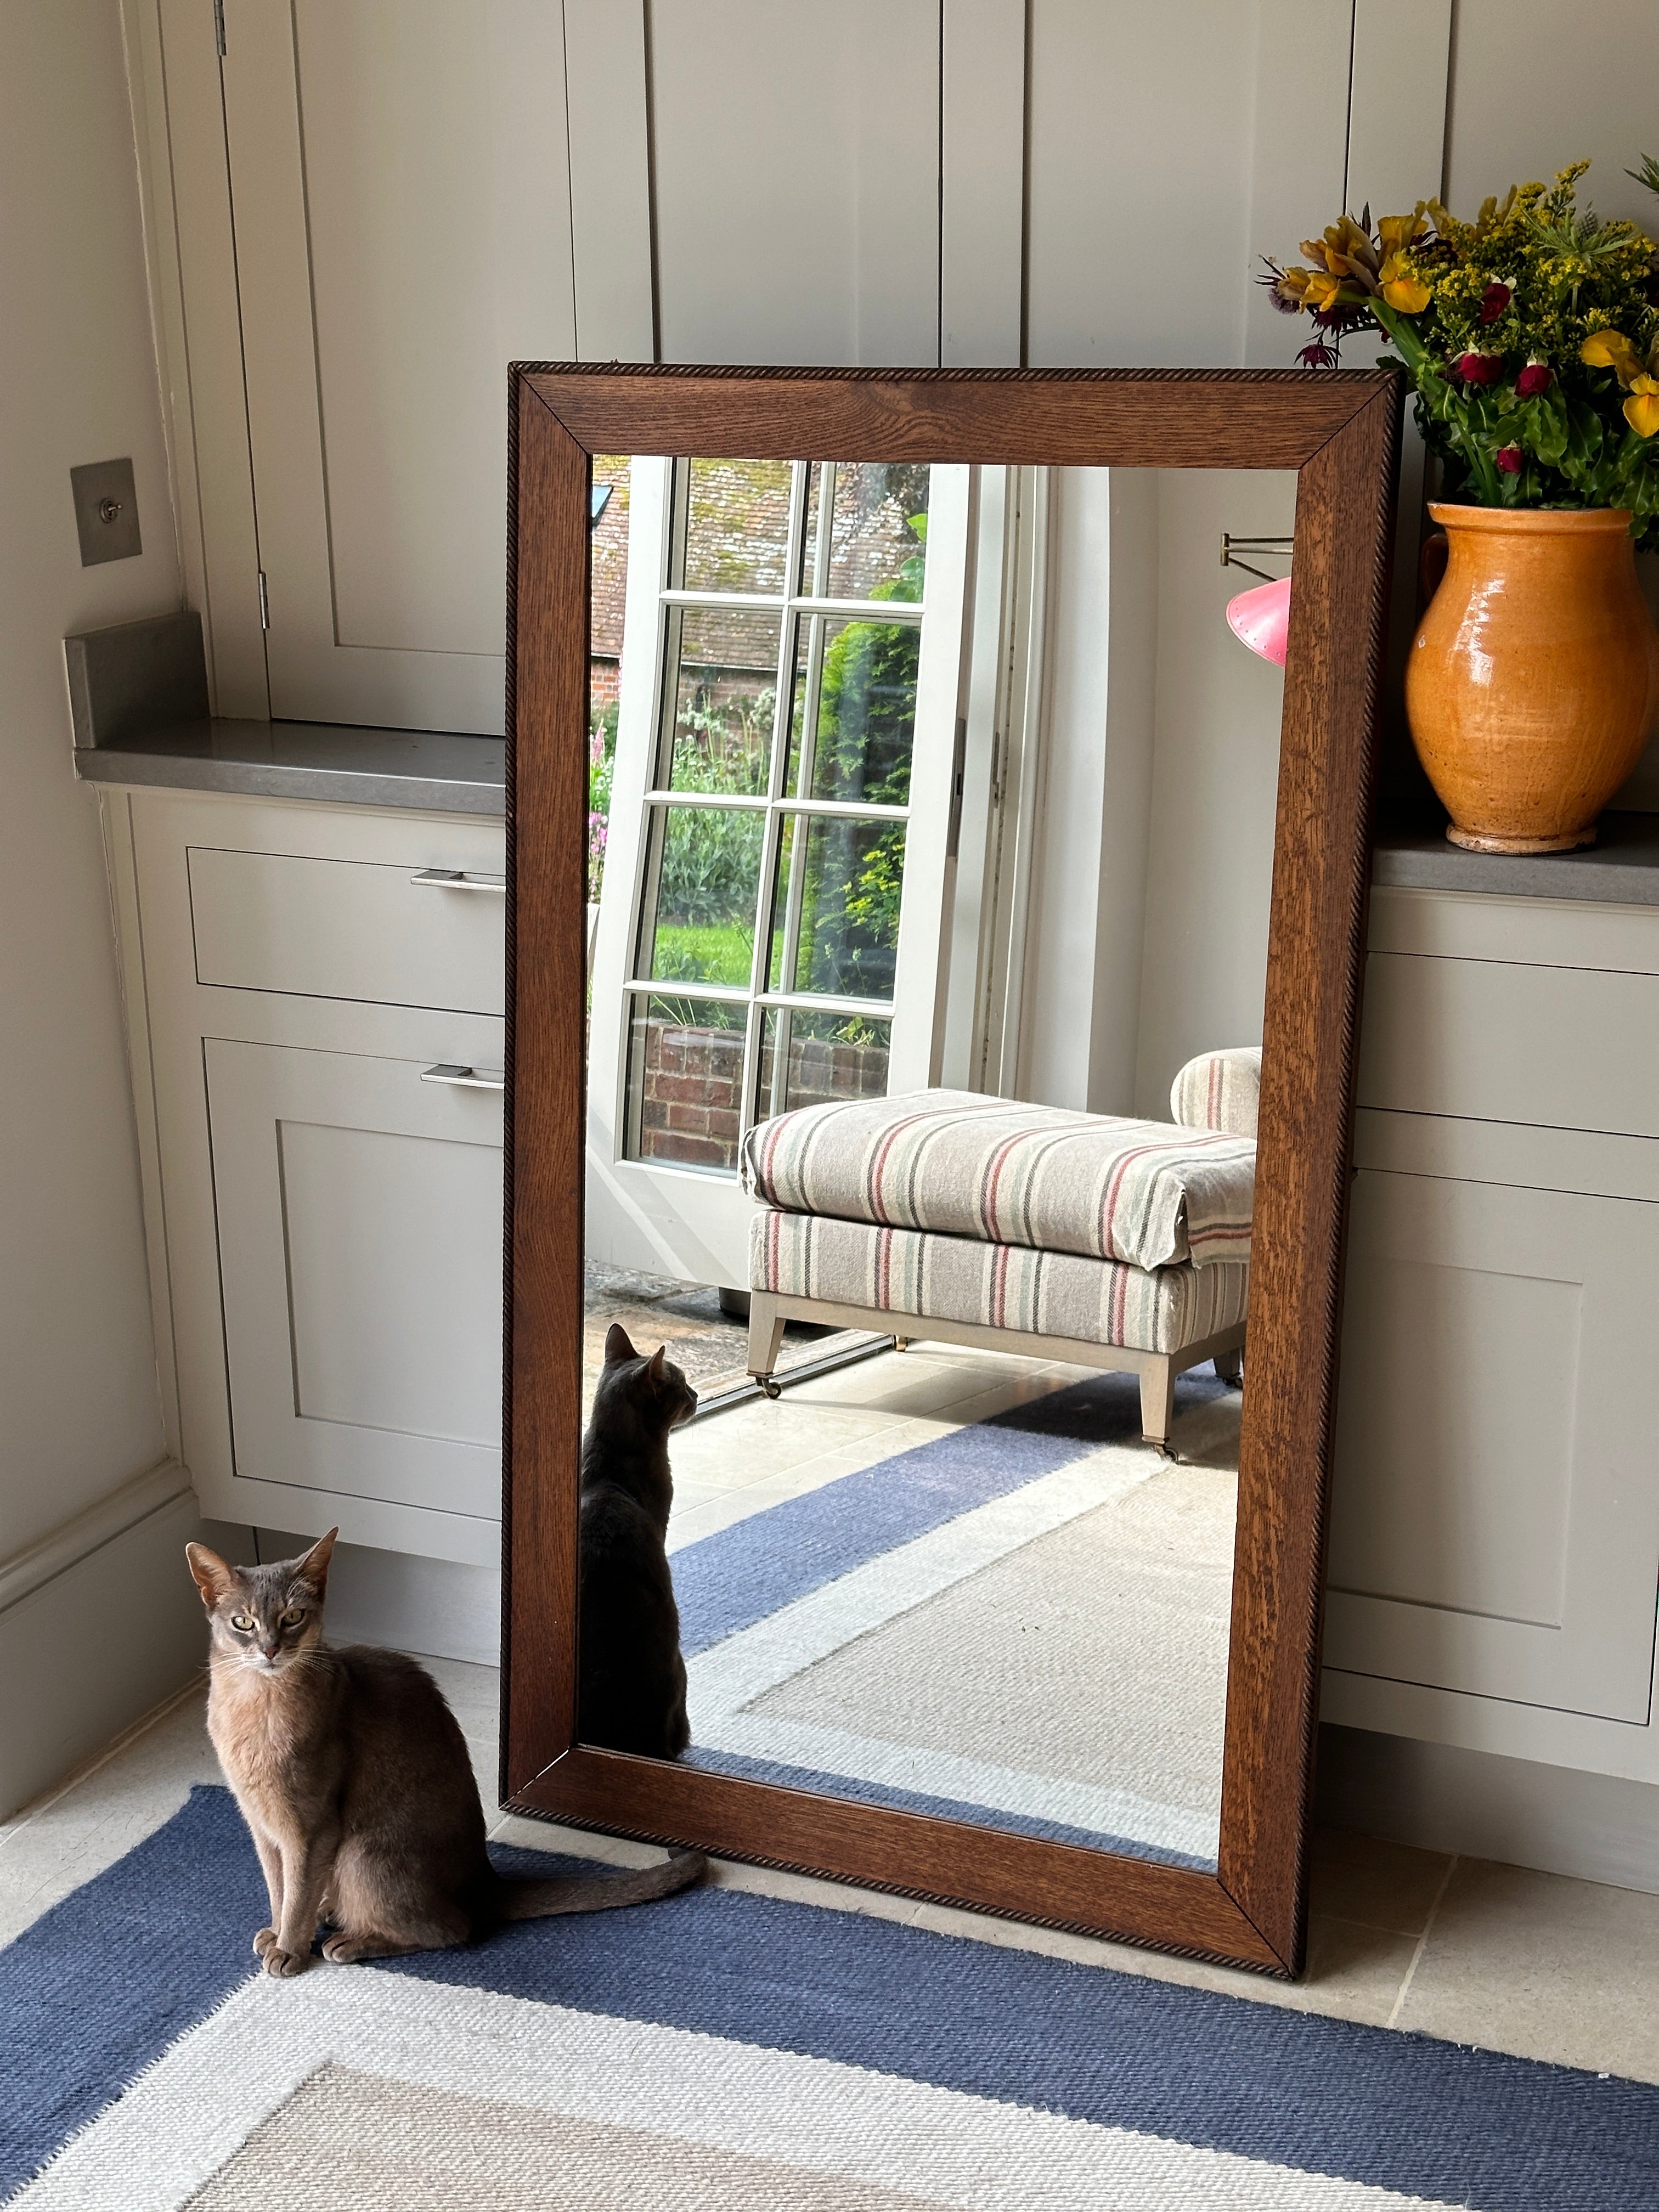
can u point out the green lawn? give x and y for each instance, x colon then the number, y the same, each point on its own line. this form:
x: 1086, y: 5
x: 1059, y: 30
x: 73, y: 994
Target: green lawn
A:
x: 720, y: 953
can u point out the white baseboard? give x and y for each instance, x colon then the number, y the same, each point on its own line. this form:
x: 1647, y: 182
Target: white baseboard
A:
x: 1481, y: 1804
x: 99, y: 1622
x: 438, y: 1609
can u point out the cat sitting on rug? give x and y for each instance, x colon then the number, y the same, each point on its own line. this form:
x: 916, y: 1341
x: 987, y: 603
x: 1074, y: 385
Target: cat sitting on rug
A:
x: 353, y: 1776
x: 632, y: 1679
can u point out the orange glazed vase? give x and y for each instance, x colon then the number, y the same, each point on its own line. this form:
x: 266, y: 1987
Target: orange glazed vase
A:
x: 1531, y: 686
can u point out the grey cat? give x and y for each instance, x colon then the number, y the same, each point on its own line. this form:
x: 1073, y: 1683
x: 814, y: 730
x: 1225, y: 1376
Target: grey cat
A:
x: 631, y: 1678
x: 354, y: 1779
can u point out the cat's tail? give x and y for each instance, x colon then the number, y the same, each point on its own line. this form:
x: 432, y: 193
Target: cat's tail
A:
x: 599, y: 1893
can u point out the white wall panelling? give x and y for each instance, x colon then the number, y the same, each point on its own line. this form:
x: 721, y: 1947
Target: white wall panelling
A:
x: 172, y: 55
x: 1165, y: 156
x: 608, y: 114
x: 982, y: 184
x: 1396, y: 141
x: 401, y: 192
x: 1154, y: 832
x: 795, y: 172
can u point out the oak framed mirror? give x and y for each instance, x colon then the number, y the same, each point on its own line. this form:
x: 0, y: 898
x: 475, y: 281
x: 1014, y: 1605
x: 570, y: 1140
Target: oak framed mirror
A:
x: 921, y: 785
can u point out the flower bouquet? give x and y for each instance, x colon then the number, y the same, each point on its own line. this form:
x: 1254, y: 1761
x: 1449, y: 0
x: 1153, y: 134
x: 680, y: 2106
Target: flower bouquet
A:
x: 1530, y: 338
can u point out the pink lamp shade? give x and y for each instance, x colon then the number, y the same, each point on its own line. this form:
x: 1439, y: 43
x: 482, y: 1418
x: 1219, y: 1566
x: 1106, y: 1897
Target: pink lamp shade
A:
x: 1261, y: 619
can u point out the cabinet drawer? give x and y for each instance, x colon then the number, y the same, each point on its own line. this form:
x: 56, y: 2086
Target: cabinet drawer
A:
x: 1496, y: 1040
x: 348, y: 929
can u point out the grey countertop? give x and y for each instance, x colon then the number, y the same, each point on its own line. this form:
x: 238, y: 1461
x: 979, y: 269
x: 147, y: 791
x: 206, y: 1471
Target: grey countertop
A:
x: 435, y: 771
x: 440, y: 772
x: 1621, y: 868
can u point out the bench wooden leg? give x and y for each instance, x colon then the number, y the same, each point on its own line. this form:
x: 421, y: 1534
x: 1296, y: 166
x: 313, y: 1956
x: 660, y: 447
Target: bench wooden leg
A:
x: 1229, y: 1366
x: 1157, y: 1402
x: 766, y: 1326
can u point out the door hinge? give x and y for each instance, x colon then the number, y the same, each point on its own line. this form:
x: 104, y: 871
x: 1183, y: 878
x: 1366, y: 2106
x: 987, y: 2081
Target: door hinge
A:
x: 264, y: 602
x: 219, y: 26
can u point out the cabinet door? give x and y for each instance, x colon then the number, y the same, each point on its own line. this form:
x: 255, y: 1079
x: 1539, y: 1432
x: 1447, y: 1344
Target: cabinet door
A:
x: 400, y: 189
x: 1495, y: 1521
x: 360, y: 1251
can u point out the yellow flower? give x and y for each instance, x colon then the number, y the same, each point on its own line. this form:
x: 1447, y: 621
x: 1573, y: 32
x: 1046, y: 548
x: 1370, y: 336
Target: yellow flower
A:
x: 1642, y: 408
x: 1611, y: 350
x: 1397, y: 232
x: 1320, y: 291
x: 1400, y: 288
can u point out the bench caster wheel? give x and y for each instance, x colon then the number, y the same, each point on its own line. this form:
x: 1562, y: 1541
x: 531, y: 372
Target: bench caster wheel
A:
x: 770, y: 1386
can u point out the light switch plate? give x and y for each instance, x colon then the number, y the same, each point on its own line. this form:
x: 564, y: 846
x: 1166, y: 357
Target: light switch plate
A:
x: 106, y: 512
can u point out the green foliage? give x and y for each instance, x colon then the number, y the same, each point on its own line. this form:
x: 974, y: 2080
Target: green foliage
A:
x: 865, y: 738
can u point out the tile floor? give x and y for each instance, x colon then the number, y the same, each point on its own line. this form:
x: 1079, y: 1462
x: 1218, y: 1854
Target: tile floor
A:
x: 1531, y: 1963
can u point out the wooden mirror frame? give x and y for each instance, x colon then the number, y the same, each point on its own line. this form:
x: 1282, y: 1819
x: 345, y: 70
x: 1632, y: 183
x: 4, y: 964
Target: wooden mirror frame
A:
x: 1340, y: 430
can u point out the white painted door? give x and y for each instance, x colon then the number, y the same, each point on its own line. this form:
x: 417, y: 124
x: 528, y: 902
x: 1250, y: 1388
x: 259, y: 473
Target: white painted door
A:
x: 400, y: 193
x: 1495, y: 1520
x: 360, y: 1252
x: 772, y: 928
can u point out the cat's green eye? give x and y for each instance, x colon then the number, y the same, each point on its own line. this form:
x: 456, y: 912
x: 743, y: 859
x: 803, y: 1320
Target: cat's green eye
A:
x: 294, y: 1616
x: 244, y: 1621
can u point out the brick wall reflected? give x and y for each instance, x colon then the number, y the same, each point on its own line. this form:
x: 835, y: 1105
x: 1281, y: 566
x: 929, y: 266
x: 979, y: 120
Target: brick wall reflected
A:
x: 692, y: 1081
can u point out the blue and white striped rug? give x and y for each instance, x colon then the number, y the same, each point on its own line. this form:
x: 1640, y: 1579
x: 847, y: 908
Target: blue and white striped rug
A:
x: 908, y: 1550
x: 727, y: 2050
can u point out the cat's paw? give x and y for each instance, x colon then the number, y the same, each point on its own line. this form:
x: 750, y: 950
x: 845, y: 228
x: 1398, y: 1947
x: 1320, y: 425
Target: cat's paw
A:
x: 343, y: 1950
x: 281, y: 1964
x: 262, y: 1941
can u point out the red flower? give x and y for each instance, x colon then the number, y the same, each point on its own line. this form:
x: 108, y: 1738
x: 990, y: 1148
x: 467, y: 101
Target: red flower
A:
x: 1494, y: 299
x: 1479, y: 367
x: 1317, y: 355
x: 1509, y: 459
x: 1537, y: 376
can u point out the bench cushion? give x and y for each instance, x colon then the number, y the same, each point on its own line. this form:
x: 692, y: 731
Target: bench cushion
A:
x: 963, y: 1278
x: 960, y: 1164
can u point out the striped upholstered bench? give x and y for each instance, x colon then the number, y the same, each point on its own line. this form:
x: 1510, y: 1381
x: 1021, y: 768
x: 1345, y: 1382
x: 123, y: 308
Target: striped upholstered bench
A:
x: 1113, y: 1244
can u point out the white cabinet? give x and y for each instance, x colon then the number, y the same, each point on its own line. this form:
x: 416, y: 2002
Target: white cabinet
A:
x: 323, y: 1199
x: 360, y: 1251
x: 1494, y: 1549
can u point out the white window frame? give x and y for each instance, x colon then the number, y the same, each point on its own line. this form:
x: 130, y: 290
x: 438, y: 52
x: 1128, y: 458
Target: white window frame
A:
x: 691, y: 1222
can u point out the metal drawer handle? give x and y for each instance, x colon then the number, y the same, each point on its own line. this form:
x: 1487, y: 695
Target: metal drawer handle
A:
x: 457, y: 879
x: 464, y: 1078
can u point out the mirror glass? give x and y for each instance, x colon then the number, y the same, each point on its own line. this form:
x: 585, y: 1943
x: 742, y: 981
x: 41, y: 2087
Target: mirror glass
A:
x: 930, y: 851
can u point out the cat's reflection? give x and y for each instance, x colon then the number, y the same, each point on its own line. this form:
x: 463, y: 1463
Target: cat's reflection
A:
x: 632, y: 1679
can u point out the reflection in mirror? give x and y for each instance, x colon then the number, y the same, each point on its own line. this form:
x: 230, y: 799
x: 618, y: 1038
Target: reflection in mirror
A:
x: 932, y: 815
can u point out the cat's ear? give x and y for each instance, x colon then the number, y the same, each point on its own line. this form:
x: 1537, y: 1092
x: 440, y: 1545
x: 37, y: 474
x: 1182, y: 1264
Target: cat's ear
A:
x: 314, y: 1568
x: 212, y: 1577
x: 617, y: 1344
x: 654, y: 1366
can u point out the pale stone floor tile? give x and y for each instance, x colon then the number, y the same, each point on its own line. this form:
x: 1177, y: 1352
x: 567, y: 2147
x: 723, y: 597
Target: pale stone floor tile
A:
x: 1544, y: 1966
x: 1378, y: 1884
x: 473, y: 1693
